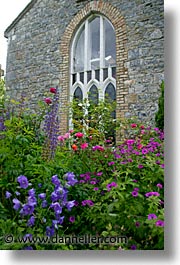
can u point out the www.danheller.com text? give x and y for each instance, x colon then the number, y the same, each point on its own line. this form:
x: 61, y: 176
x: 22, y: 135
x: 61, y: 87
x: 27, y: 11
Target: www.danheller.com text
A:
x: 84, y: 239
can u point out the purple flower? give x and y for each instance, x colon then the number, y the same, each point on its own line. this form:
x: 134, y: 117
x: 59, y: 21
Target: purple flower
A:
x: 161, y: 202
x: 159, y: 185
x: 50, y: 231
x: 70, y: 177
x: 69, y: 205
x: 87, y: 202
x: 42, y: 196
x: 55, y: 180
x: 54, y: 196
x: 32, y: 200
x: 55, y: 224
x: 93, y: 182
x: 17, y: 193
x: 60, y: 219
x: 99, y: 174
x: 44, y: 204
x: 158, y: 162
x: 162, y: 166
x: 152, y: 216
x: 76, y: 203
x: 160, y: 223
x: 31, y: 192
x: 134, y: 193
x: 133, y: 247
x: 31, y: 221
x: 137, y: 224
x: 136, y: 189
x: 56, y: 207
x: 96, y: 188
x: 23, y: 182
x: 130, y: 142
x: 152, y: 193
x: 72, y: 219
x: 140, y: 166
x: 27, y: 236
x: 28, y: 248
x: 27, y: 209
x: 17, y: 204
x: 82, y: 181
x: 111, y: 163
x: 135, y: 180
x: 155, y: 193
x: 110, y: 185
x: 8, y: 194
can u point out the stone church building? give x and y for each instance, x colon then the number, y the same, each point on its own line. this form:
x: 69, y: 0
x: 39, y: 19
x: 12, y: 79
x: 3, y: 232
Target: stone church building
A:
x: 83, y: 46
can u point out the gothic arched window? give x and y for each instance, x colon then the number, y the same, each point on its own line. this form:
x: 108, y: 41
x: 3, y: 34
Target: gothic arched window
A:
x: 93, y: 59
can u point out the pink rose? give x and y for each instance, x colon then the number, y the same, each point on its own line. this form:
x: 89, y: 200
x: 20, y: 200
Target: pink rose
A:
x: 48, y: 100
x: 60, y: 138
x: 84, y: 145
x: 79, y: 135
x: 133, y: 125
x: 66, y: 136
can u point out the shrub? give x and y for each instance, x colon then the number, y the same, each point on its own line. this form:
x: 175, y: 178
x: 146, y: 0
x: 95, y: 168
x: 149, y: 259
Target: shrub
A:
x: 159, y: 118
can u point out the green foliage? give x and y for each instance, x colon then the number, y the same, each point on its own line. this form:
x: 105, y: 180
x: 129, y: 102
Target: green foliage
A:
x: 114, y: 181
x: 95, y: 119
x: 2, y: 93
x: 160, y: 114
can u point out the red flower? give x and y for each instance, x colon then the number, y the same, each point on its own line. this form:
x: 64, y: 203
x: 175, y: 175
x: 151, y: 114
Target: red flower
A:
x: 74, y: 147
x: 48, y: 100
x: 139, y: 146
x: 142, y: 127
x: 79, y: 135
x: 52, y: 90
x: 133, y: 125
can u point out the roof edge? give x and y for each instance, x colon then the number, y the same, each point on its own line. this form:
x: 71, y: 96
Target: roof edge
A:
x: 19, y: 17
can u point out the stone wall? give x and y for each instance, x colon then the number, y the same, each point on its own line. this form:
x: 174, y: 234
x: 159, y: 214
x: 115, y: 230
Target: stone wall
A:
x: 36, y: 59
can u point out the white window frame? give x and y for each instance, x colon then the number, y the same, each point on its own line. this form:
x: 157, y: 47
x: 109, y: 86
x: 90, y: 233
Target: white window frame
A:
x: 101, y: 84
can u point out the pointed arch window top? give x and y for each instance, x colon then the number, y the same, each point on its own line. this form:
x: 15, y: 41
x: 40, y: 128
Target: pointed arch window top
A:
x: 94, y: 46
x: 78, y: 95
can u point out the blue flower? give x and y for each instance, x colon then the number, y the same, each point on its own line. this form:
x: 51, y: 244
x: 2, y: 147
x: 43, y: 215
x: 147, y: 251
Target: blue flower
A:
x: 42, y: 196
x: 70, y: 204
x: 60, y: 220
x: 44, y: 204
x: 31, y: 192
x: 50, y: 231
x: 70, y: 177
x: 55, y: 180
x: 55, y: 223
x: 27, y: 209
x: 31, y: 221
x: 23, y: 182
x: 56, y: 207
x: 28, y: 248
x: 54, y: 196
x: 8, y: 194
x: 32, y: 200
x: 27, y: 236
x: 17, y: 204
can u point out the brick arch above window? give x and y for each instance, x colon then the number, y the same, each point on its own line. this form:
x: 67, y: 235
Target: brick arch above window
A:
x: 118, y: 22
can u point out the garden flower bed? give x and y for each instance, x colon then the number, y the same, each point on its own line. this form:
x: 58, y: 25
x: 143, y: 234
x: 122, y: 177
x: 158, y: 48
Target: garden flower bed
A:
x: 79, y: 185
